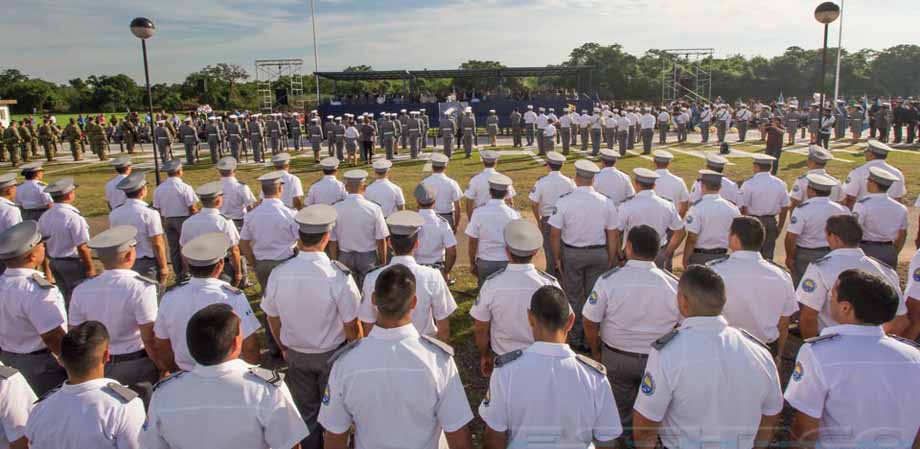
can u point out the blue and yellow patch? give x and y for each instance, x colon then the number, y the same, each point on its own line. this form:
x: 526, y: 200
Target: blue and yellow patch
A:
x: 689, y: 219
x: 793, y: 220
x: 593, y: 298
x: 917, y: 275
x: 487, y: 399
x: 796, y: 188
x: 798, y: 372
x: 648, y: 385
x: 327, y: 396
x: 809, y: 285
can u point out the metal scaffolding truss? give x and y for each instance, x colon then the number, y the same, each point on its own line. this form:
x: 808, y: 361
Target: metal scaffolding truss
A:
x: 269, y: 72
x: 685, y: 73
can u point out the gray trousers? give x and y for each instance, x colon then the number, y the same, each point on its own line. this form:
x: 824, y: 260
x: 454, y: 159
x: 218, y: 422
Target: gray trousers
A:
x: 883, y: 251
x: 595, y: 141
x: 146, y: 266
x: 173, y: 231
x: 340, y: 149
x: 804, y: 257
x: 448, y: 216
x: 485, y: 268
x: 622, y: 137
x: 257, y: 149
x: 698, y: 258
x: 661, y: 262
x: 68, y: 273
x: 610, y: 135
x: 414, y: 143
x: 235, y: 147
x: 388, y: 143
x: 742, y: 130
x: 585, y: 132
x: 139, y: 374
x: 541, y: 142
x: 663, y: 133
x: 631, y: 139
x: 447, y: 140
x: 214, y: 148
x: 359, y: 263
x: 681, y: 132
x: 32, y: 214
x: 516, y: 135
x: 264, y: 268
x: 42, y: 371
x: 647, y: 135
x: 528, y: 132
x: 307, y: 377
x: 582, y: 267
x: 772, y: 232
x: 566, y: 139
x: 548, y: 248
x: 468, y: 144
x: 190, y: 153
x: 704, y: 131
x: 316, y: 144
x: 721, y: 128
x: 625, y: 372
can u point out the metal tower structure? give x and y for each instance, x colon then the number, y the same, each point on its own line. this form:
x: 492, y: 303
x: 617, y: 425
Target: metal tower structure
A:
x: 684, y: 73
x: 289, y: 72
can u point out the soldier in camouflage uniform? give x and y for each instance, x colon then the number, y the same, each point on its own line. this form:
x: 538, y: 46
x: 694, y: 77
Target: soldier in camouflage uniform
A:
x: 129, y: 134
x: 97, y: 140
x: 49, y: 137
x: 2, y: 155
x: 11, y: 141
x: 26, y: 139
x: 74, y: 137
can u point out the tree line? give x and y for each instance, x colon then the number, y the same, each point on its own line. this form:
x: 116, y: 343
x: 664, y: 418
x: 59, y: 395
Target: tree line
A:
x: 894, y: 71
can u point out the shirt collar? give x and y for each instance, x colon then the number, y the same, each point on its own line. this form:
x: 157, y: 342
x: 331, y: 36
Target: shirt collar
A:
x: 353, y: 196
x: 312, y: 255
x: 396, y: 333
x: 404, y: 260
x: 647, y: 192
x: 704, y: 322
x: 495, y: 202
x: 330, y: 177
x: 848, y: 252
x: 273, y: 201
x: 818, y: 171
x: 762, y: 174
x: 488, y: 170
x: 712, y: 196
x: 20, y: 272
x: 66, y: 206
x: 427, y: 212
x: 662, y: 171
x: 643, y: 264
x: 221, y: 369
x: 210, y: 211
x: 551, y: 349
x: 585, y: 189
x: 4, y: 200
x: 95, y: 384
x: 854, y: 329
x: 520, y: 267
x: 136, y: 201
x: 745, y: 255
x: 205, y: 281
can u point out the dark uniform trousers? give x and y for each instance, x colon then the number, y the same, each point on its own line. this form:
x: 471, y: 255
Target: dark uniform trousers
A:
x: 173, y: 231
x: 771, y: 233
x: 566, y: 139
x: 147, y: 267
x: 804, y: 257
x: 307, y: 377
x: 545, y: 229
x: 663, y: 133
x: 448, y: 216
x: 700, y: 255
x: 40, y: 369
x: 883, y: 251
x: 661, y: 261
x: 32, y: 214
x: 622, y: 136
x: 485, y: 268
x: 584, y: 138
x: 264, y: 269
x: 516, y: 135
x: 624, y: 371
x: 134, y: 370
x: 595, y: 141
x: 581, y: 266
x: 68, y: 273
x: 359, y: 263
x: 528, y: 132
x: 704, y: 131
x: 647, y: 134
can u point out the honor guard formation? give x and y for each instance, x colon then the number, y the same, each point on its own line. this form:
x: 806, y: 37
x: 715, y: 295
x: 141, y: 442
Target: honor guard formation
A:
x: 614, y: 344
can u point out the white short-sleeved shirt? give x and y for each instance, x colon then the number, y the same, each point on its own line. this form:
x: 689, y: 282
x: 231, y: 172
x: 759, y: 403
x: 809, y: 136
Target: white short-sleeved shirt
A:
x: 647, y: 121
x: 223, y: 406
x: 121, y: 300
x: 174, y: 197
x: 359, y: 225
x: 434, y: 300
x: 614, y: 184
x: 16, y: 402
x: 709, y: 385
x: 729, y: 191
x: 664, y: 118
x: 271, y: 229
x: 86, y: 415
x: 27, y: 311
x: 710, y: 219
x: 548, y: 189
x: 671, y: 187
x: 478, y: 190
x: 206, y: 221
x: 880, y: 217
x: 387, y: 195
x: 549, y: 131
x: 147, y: 221
x: 582, y: 409
x: 809, y: 221
x: 855, y: 185
x: 64, y: 229
x: 446, y: 192
x: 487, y: 225
x: 113, y: 195
x: 328, y: 190
x: 758, y: 293
x: 10, y: 215
x: 291, y: 187
x: 818, y: 281
x: 584, y: 217
x: 504, y: 300
x: 181, y: 303
x: 31, y: 195
x: 634, y: 305
x: 238, y: 198
x: 648, y: 208
x: 314, y: 326
x: 861, y: 384
x: 395, y: 379
x: 913, y: 278
x: 623, y: 124
x: 764, y: 195
x: 434, y: 237
x: 800, y: 186
x: 530, y: 117
x: 541, y: 121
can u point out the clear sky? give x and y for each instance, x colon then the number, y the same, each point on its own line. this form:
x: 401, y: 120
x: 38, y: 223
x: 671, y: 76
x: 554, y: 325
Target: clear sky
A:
x: 62, y: 39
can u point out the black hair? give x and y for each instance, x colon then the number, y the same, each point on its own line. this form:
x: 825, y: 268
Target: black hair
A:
x: 394, y: 290
x: 310, y: 239
x: 645, y: 241
x: 497, y: 194
x: 202, y: 272
x: 874, y: 301
x: 81, y: 347
x: 846, y: 227
x: 550, y: 307
x: 750, y: 232
x: 210, y: 333
x: 704, y: 289
x: 403, y: 244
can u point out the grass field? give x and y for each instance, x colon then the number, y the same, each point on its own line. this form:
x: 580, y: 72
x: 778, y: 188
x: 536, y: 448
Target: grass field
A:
x: 523, y: 169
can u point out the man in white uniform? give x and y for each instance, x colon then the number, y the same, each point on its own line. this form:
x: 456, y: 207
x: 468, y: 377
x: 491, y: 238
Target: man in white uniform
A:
x: 485, y: 230
x: 648, y: 208
x: 876, y: 154
x: 437, y: 245
x: 708, y: 221
x: 612, y: 182
x: 668, y: 185
x: 817, y: 160
x: 806, y: 239
x: 30, y: 195
x: 764, y: 197
x: 360, y: 232
x: 729, y: 189
x: 447, y: 191
x: 16, y: 402
x: 113, y: 196
x: 477, y: 193
x: 176, y: 201
x: 383, y: 192
x: 327, y: 190
x: 66, y: 232
x: 544, y: 196
x: 208, y: 220
x: 882, y: 218
x: 291, y: 187
x: 269, y: 232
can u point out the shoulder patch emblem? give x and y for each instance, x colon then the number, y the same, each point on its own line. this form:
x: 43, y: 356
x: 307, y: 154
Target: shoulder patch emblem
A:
x: 663, y: 341
x: 689, y: 219
x: 820, y: 338
x: 648, y: 384
x: 145, y: 279
x: 591, y: 363
x: 168, y: 379
x: 274, y: 377
x: 42, y: 282
x: 798, y: 372
x: 507, y: 358
x: 610, y: 272
x: 916, y: 275
x: 905, y: 341
x: 7, y: 371
x: 122, y: 392
x: 231, y: 289
x: 344, y: 269
x: 342, y: 351
x: 795, y: 219
x: 717, y: 261
x: 796, y: 188
x: 809, y: 285
x: 443, y: 347
x: 327, y: 395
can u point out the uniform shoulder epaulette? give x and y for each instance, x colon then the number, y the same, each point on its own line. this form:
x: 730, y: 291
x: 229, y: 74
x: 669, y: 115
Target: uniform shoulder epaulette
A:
x: 344, y: 269
x: 751, y: 337
x: 822, y: 259
x: 696, y: 202
x: 506, y: 358
x: 591, y: 363
x: 168, y: 379
x: 565, y: 195
x: 670, y: 275
x: 496, y: 273
x: 777, y: 265
x: 123, y: 393
x: 717, y: 261
x: 442, y: 219
x: 820, y: 338
x: 145, y: 279
x: 231, y: 289
x: 881, y: 263
x: 663, y: 341
x: 548, y: 276
x: 342, y: 351
x: 610, y: 272
x: 802, y: 176
x: 7, y: 371
x: 273, y: 377
x: 444, y: 347
x: 864, y: 199
x: 42, y: 282
x: 802, y: 204
x: 906, y: 341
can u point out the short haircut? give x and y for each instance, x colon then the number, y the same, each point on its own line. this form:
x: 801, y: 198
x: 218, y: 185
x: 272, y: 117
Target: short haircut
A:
x: 83, y: 346
x: 135, y: 194
x: 30, y: 174
x: 554, y: 167
x: 609, y: 162
x: 486, y: 163
x: 846, y: 227
x: 122, y: 170
x: 209, y: 202
x: 882, y: 187
x: 394, y: 290
x: 704, y: 290
x: 311, y: 239
x: 225, y: 173
x: 820, y: 193
x: 210, y: 333
x: 550, y: 307
x: 645, y: 185
x: 874, y: 301
x: 750, y: 232
x: 522, y: 259
x: 271, y: 188
x: 201, y: 272
x: 330, y: 171
x: 645, y: 241
x: 438, y: 169
x: 497, y: 194
x: 403, y: 244
x: 711, y: 183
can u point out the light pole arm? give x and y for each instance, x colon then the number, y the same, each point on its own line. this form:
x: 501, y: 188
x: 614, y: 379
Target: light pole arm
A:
x: 156, y: 155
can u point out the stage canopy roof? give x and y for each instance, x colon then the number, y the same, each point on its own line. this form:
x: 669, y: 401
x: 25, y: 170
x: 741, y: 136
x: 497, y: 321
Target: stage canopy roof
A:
x: 510, y: 72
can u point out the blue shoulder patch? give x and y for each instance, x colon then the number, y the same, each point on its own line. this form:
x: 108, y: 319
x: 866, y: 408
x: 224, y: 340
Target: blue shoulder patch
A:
x: 820, y: 338
x: 168, y: 379
x: 610, y: 272
x: 663, y: 341
x: 508, y: 357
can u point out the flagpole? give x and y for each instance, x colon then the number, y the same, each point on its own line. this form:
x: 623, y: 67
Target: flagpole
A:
x: 839, y: 51
x: 315, y: 50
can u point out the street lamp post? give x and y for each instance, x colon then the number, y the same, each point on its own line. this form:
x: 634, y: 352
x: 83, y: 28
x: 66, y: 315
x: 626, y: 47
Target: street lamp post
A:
x: 143, y: 29
x: 825, y: 13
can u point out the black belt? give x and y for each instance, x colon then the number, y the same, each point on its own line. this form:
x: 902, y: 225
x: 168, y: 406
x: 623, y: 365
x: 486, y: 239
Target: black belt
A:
x: 820, y: 248
x: 870, y: 242
x: 626, y: 353
x: 39, y: 352
x: 65, y: 258
x: 584, y: 247
x: 710, y: 251
x: 146, y: 258
x: 35, y: 210
x: 765, y: 216
x: 128, y: 357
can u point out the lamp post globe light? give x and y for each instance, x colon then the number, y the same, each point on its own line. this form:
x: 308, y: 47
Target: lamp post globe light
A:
x: 826, y: 13
x: 143, y: 29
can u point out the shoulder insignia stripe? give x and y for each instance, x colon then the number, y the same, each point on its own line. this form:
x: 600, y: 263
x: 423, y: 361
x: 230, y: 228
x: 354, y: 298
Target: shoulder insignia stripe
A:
x: 42, y: 282
x: 274, y: 377
x: 494, y: 274
x: 753, y: 338
x: 231, y: 289
x: 444, y: 347
x: 610, y: 272
x: 882, y: 263
x: 344, y: 269
x: 591, y: 363
x: 548, y: 276
x: 905, y: 341
x: 122, y: 392
x: 864, y: 199
x: 342, y: 351
x: 145, y: 279
x: 820, y: 338
x: 508, y: 357
x: 7, y: 371
x: 663, y: 341
x: 696, y: 202
x: 717, y: 261
x: 168, y: 379
x: 822, y: 259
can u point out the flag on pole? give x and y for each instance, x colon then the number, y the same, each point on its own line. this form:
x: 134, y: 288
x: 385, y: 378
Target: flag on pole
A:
x: 781, y: 99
